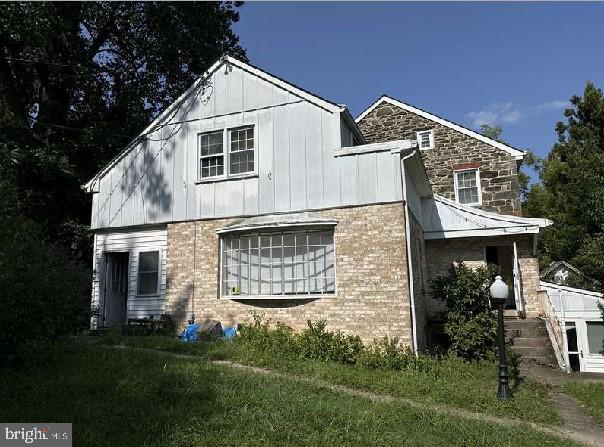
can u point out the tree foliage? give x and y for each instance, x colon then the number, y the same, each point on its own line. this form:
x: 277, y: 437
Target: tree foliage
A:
x: 78, y: 80
x: 571, y: 192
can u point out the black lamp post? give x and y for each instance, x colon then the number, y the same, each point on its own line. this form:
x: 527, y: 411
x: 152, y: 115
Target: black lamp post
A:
x: 499, y: 294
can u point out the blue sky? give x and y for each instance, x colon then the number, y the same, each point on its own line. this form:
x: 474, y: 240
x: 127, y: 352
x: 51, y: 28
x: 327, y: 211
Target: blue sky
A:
x: 511, y: 64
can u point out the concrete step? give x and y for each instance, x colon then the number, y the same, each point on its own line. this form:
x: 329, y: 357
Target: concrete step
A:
x: 531, y: 342
x: 532, y: 351
x: 528, y: 333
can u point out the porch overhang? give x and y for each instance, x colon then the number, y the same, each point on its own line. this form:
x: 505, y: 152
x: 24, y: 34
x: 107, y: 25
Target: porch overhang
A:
x: 446, y: 219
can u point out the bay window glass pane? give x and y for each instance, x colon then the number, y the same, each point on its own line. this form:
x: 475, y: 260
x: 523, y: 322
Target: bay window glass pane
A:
x: 595, y: 337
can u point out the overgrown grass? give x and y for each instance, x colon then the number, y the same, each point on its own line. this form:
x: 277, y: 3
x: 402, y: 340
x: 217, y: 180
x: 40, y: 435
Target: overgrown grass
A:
x: 591, y: 395
x: 126, y: 398
x: 449, y: 381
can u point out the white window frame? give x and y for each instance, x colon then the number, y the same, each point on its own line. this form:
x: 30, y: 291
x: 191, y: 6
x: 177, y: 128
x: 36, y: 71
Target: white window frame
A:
x: 159, y: 269
x: 300, y: 296
x: 226, y: 154
x: 478, y: 184
x: 430, y: 132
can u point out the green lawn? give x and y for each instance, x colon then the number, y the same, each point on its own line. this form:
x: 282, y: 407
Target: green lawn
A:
x: 121, y: 397
x: 591, y: 395
x: 468, y: 386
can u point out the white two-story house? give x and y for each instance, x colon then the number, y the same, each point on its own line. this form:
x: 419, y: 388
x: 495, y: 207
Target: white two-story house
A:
x: 251, y: 194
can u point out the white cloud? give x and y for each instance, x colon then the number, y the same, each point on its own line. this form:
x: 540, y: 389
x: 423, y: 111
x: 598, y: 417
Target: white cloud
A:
x: 497, y: 113
x: 510, y: 113
x: 552, y: 106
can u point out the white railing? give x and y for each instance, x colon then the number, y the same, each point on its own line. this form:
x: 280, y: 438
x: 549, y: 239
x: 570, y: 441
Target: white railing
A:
x: 555, y: 328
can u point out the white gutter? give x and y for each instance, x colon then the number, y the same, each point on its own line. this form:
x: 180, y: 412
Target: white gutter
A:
x: 409, y: 255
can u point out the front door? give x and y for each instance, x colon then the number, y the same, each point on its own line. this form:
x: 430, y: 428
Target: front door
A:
x: 506, y: 258
x: 115, y: 287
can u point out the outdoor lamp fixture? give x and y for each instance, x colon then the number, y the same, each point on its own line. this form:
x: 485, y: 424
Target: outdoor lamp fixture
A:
x: 499, y: 294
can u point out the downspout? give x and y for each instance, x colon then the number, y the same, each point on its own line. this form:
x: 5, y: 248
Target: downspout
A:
x: 409, y: 255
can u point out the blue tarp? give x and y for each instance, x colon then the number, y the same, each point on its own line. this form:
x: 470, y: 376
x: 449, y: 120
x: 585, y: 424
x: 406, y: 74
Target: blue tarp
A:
x: 190, y: 333
x: 229, y: 332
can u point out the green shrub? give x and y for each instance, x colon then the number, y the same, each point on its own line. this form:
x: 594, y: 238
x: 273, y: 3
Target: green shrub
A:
x: 315, y: 342
x: 44, y: 294
x: 470, y: 323
x: 260, y: 335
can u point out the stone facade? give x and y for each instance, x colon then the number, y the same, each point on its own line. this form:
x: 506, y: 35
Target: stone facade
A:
x: 372, y: 291
x: 452, y: 150
x: 441, y: 254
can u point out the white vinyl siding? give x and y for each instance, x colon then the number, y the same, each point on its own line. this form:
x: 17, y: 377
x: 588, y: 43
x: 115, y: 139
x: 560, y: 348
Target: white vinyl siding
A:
x: 467, y: 187
x: 133, y: 242
x: 278, y: 264
x: 425, y: 139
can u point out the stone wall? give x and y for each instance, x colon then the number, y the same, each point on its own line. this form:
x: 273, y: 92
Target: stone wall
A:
x: 452, y: 150
x: 372, y: 294
x: 441, y: 254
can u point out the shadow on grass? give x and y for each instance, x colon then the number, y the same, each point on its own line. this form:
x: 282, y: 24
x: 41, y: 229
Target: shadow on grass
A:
x: 112, y: 398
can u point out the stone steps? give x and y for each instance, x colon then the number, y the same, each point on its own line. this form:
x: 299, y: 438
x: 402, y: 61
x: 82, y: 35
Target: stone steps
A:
x: 531, y: 340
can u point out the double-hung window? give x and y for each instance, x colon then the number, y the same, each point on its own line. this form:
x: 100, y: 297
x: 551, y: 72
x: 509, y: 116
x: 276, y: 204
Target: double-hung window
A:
x: 148, y: 273
x: 225, y: 153
x: 425, y: 139
x: 286, y: 263
x: 467, y: 187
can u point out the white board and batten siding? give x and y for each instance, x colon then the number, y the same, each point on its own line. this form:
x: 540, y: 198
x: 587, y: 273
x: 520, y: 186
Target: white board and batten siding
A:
x: 295, y: 139
x: 132, y: 242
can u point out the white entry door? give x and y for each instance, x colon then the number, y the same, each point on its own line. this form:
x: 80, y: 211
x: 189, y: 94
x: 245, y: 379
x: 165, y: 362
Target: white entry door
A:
x: 590, y: 334
x: 517, y: 281
x: 115, y: 287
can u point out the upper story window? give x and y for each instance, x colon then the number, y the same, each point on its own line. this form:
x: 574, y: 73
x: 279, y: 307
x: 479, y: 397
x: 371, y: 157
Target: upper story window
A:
x: 467, y: 187
x: 299, y: 262
x: 425, y: 139
x: 215, y: 161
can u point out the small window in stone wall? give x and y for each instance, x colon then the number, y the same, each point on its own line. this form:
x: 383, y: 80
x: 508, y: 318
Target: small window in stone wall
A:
x: 467, y: 187
x: 425, y: 139
x: 278, y: 264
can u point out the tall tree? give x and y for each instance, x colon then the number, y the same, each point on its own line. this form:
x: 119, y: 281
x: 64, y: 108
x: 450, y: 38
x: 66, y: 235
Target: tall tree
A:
x: 571, y: 192
x: 78, y: 80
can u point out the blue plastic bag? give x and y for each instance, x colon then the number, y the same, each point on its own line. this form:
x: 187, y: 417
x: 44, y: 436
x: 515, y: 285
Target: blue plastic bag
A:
x: 190, y: 333
x: 229, y: 332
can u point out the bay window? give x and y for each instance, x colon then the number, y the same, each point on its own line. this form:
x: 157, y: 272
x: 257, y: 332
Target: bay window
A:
x: 284, y: 263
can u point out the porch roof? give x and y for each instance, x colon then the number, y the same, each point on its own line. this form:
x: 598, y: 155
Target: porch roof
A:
x: 445, y: 219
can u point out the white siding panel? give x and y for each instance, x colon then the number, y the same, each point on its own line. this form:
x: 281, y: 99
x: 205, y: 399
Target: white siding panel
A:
x: 266, y: 176
x: 314, y: 157
x: 367, y: 182
x: 349, y: 169
x: 281, y: 173
x: 297, y: 156
x: 235, y: 86
x: 250, y: 92
x: 331, y: 165
x: 250, y: 187
x: 206, y: 193
x: 386, y: 171
x: 132, y: 242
